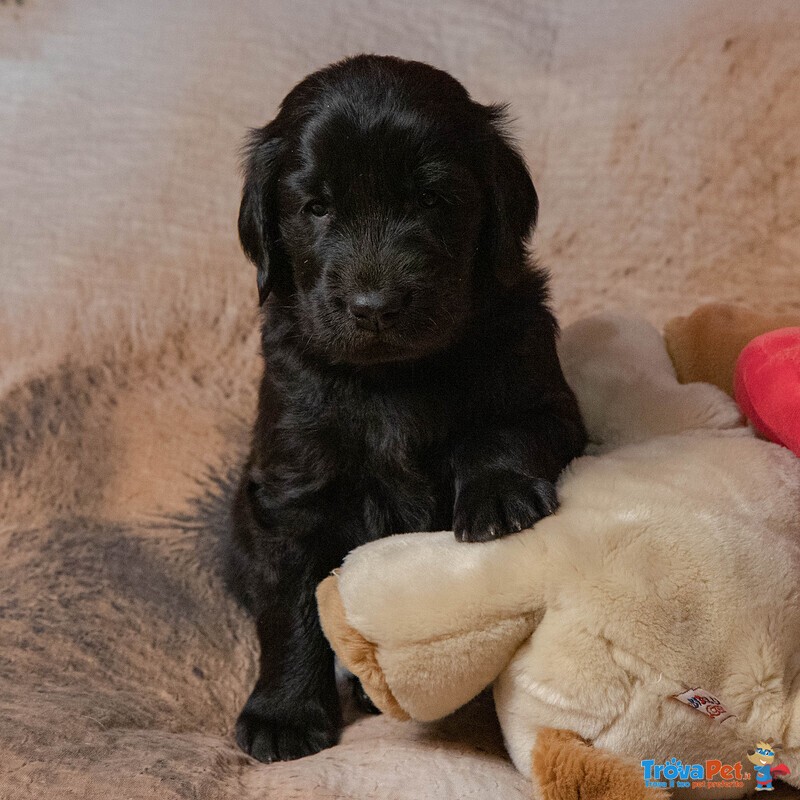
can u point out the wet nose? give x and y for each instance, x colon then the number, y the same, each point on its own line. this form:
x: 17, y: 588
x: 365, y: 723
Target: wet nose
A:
x: 376, y: 311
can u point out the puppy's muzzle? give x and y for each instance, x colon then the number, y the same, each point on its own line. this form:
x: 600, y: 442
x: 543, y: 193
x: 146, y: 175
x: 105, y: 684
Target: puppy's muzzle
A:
x: 377, y: 310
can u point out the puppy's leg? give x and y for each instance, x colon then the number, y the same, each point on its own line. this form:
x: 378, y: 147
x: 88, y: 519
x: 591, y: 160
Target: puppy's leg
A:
x: 293, y: 711
x: 505, y: 475
x: 526, y: 431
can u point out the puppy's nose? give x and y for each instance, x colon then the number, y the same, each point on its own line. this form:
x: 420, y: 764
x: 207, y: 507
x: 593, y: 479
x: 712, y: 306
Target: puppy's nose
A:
x: 376, y: 311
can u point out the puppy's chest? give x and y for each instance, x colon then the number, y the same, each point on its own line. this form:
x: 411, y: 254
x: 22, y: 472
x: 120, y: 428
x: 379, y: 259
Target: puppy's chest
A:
x: 364, y: 429
x: 389, y: 457
x: 380, y: 455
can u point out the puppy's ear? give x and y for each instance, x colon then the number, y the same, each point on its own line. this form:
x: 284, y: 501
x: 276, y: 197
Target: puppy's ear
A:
x: 258, y: 213
x: 514, y: 205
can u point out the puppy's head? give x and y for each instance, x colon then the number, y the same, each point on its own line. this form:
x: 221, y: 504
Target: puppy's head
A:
x: 380, y: 205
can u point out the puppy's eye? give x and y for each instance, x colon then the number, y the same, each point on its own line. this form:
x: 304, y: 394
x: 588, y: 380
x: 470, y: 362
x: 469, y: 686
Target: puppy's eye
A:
x: 317, y: 208
x: 427, y: 198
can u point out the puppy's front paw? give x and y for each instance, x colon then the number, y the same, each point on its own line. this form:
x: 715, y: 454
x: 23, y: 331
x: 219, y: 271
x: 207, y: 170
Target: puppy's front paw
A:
x: 273, y: 737
x: 501, y: 502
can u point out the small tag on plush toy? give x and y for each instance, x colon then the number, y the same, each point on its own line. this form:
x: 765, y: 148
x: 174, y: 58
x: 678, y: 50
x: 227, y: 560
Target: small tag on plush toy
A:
x: 706, y: 703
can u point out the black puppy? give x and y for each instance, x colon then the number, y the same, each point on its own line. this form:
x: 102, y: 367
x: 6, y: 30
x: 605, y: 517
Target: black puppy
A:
x: 411, y: 378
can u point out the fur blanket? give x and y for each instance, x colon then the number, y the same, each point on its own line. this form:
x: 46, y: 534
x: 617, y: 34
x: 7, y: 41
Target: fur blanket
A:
x: 663, y: 144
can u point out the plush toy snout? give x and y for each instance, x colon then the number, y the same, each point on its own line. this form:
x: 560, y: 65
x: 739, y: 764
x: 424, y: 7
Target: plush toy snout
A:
x: 354, y: 651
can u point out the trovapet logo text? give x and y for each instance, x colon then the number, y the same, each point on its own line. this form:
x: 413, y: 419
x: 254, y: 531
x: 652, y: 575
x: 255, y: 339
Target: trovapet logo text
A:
x: 710, y: 774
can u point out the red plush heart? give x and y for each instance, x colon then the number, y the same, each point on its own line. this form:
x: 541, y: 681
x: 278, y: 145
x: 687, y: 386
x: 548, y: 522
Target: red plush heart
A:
x: 767, y: 386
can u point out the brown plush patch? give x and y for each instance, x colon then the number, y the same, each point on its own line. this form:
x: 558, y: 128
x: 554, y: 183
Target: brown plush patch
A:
x: 566, y: 767
x: 354, y: 651
x: 705, y: 345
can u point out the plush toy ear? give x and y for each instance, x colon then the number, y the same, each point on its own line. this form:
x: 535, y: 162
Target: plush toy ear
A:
x: 514, y: 204
x: 626, y: 387
x: 705, y: 345
x: 258, y: 213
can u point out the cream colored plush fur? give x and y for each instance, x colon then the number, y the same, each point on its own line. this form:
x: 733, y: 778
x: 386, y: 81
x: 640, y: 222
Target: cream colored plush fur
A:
x: 673, y: 563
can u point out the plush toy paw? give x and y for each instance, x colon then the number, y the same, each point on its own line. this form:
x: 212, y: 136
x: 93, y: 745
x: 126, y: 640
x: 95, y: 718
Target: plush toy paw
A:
x: 500, y: 502
x: 270, y: 737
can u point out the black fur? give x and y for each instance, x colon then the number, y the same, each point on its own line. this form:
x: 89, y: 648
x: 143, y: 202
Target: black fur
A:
x: 441, y: 406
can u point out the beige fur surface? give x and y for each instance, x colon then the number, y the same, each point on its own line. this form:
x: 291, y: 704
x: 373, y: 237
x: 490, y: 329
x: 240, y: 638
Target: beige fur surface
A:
x: 663, y: 141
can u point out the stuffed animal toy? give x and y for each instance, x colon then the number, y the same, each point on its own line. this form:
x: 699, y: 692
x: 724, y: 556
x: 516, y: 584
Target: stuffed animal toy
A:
x: 706, y: 345
x: 749, y: 355
x: 639, y: 641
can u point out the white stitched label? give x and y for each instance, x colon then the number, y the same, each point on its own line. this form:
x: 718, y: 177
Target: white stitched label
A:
x: 706, y: 703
